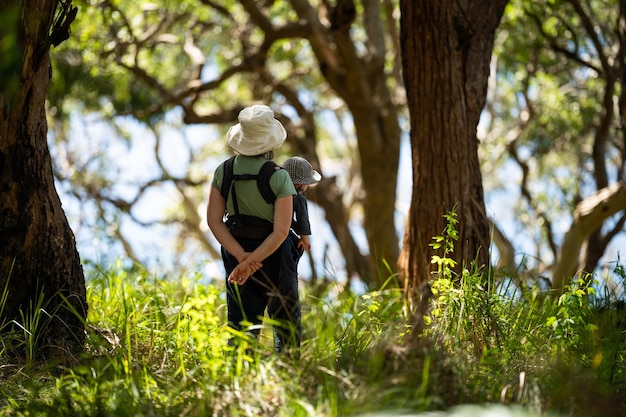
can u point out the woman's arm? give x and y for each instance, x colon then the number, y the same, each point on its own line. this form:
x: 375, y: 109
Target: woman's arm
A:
x: 215, y: 216
x: 283, y: 211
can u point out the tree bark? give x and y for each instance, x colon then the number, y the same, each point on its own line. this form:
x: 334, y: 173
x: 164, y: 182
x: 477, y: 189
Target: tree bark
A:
x: 40, y: 270
x: 361, y: 81
x: 447, y: 47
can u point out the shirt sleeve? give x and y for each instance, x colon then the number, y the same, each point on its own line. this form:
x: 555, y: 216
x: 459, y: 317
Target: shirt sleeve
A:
x: 218, y: 177
x: 301, y: 224
x: 281, y: 184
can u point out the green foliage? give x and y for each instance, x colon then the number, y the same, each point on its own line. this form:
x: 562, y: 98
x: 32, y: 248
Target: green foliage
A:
x: 100, y: 65
x: 552, y: 108
x: 572, y: 312
x: 445, y: 264
x: 158, y: 346
x: 129, y: 57
x: 499, y: 335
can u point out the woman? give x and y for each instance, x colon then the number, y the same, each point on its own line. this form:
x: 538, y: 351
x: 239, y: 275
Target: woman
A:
x: 256, y: 277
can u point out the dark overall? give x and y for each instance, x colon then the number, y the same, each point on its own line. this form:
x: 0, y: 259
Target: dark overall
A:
x: 274, y: 286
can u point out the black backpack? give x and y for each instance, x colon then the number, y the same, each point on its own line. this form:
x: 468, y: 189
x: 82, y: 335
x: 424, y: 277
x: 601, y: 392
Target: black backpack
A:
x: 262, y: 179
x: 241, y: 225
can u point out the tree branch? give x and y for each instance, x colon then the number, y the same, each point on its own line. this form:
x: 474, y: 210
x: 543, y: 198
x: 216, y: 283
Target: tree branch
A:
x: 589, y: 215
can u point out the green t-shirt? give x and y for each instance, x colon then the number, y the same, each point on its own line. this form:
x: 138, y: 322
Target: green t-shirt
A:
x: 249, y: 198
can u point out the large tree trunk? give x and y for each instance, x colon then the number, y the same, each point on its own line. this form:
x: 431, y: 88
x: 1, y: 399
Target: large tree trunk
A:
x: 447, y: 47
x: 362, y: 84
x: 40, y: 268
x: 359, y: 78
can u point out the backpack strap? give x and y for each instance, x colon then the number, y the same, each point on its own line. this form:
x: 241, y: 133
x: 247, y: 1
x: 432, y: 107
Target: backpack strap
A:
x: 262, y: 179
x: 228, y: 177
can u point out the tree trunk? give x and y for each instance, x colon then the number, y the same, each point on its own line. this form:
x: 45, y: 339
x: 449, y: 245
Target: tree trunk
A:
x: 447, y: 47
x: 40, y: 270
x: 362, y: 84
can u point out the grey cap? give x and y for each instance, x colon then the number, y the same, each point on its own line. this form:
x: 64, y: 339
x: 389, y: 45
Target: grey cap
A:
x: 301, y: 171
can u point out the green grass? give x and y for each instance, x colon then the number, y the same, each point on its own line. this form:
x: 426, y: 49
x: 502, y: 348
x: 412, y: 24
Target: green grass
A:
x: 158, y: 347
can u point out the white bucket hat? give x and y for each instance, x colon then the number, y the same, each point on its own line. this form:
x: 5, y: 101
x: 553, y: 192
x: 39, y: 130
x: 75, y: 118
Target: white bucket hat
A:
x: 257, y: 132
x: 301, y: 171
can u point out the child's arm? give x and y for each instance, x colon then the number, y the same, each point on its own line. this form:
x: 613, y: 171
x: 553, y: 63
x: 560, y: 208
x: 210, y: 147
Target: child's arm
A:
x: 304, y: 243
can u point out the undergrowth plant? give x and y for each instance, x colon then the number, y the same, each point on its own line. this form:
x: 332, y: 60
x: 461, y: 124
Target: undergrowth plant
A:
x: 158, y: 346
x: 513, y: 345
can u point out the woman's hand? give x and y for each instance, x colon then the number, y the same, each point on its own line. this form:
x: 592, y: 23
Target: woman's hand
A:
x: 244, y: 270
x: 248, y: 264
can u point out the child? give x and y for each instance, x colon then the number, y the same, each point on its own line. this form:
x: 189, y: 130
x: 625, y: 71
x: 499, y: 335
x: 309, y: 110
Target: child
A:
x: 302, y: 175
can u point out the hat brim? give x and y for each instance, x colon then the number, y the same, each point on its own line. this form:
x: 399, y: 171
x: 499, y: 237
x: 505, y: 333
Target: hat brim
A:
x: 315, y: 178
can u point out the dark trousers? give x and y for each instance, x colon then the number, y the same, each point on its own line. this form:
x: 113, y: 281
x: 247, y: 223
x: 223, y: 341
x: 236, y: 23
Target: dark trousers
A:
x: 274, y: 286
